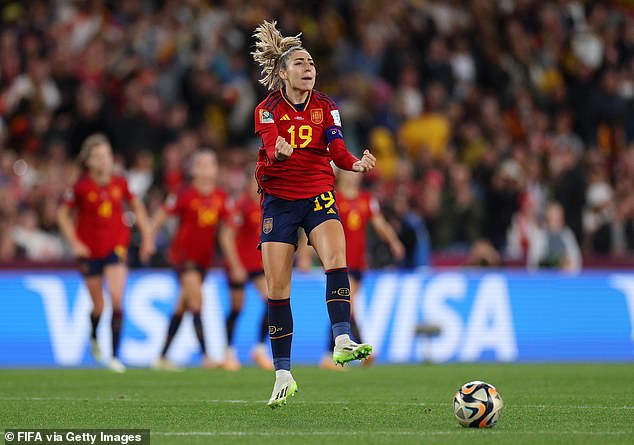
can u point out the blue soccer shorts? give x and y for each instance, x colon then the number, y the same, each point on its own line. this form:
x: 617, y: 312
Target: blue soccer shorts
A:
x: 95, y: 266
x: 281, y: 219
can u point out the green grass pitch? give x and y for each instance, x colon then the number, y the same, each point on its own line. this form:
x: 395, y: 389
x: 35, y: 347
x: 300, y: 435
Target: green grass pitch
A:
x: 381, y: 405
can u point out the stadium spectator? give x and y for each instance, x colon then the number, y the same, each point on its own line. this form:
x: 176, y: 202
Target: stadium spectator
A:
x: 141, y: 173
x: 554, y: 246
x: 429, y: 131
x: 501, y: 201
x: 34, y: 242
x: 523, y: 229
x: 461, y: 214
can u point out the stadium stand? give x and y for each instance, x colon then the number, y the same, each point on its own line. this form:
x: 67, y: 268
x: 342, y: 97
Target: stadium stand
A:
x: 479, y: 112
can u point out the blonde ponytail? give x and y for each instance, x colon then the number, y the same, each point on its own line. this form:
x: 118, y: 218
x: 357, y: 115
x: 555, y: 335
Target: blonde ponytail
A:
x: 272, y: 51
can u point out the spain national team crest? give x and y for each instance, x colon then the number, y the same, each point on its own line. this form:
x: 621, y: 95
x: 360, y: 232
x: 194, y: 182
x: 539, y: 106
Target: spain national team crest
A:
x: 267, y: 225
x: 317, y: 116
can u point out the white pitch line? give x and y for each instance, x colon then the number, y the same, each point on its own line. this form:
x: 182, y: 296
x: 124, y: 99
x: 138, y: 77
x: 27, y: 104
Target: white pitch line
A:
x: 382, y: 433
x: 297, y: 402
x: 298, y: 433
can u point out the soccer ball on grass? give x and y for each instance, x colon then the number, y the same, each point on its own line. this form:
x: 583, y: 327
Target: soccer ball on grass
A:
x: 477, y: 405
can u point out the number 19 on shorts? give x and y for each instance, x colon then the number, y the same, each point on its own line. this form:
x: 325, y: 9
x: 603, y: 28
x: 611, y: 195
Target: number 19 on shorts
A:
x: 327, y: 199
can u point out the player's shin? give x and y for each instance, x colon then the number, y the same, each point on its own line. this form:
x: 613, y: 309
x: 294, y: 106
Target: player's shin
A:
x: 94, y: 322
x: 175, y: 323
x: 115, y: 325
x: 200, y: 333
x: 231, y: 324
x: 280, y: 332
x: 264, y: 327
x: 338, y: 302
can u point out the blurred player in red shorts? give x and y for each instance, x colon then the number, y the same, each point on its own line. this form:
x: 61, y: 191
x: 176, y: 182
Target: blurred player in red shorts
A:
x: 200, y: 208
x: 243, y: 230
x: 99, y: 238
x: 357, y: 208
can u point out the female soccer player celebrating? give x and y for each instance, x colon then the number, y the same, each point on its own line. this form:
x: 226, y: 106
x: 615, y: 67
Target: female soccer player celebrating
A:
x: 100, y: 239
x: 199, y: 208
x: 301, y: 133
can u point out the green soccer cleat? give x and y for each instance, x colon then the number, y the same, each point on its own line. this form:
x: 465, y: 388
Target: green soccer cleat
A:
x: 347, y: 351
x: 285, y: 387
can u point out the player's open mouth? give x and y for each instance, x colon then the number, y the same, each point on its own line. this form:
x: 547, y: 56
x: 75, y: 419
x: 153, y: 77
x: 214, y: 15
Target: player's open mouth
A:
x: 307, y: 78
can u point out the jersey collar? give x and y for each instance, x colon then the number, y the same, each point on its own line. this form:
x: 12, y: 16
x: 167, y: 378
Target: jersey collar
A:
x: 305, y: 104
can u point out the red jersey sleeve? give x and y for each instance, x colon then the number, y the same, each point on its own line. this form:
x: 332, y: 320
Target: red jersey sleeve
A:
x: 334, y: 138
x: 236, y: 217
x: 127, y: 194
x: 266, y: 128
x: 70, y: 196
x: 226, y: 211
x: 373, y: 205
x: 173, y: 203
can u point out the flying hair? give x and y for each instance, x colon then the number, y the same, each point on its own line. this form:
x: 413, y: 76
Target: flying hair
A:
x: 271, y: 51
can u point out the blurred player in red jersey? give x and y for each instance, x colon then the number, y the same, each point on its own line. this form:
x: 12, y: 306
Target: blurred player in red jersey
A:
x: 301, y: 134
x: 357, y: 208
x: 99, y: 237
x: 200, y: 208
x: 243, y: 230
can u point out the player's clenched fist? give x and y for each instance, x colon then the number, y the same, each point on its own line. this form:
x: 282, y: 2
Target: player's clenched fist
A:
x: 366, y: 163
x: 283, y: 149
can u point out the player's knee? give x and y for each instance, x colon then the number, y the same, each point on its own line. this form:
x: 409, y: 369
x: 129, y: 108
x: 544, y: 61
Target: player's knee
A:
x: 194, y: 305
x: 279, y: 290
x: 181, y: 307
x: 334, y: 260
x: 97, y: 307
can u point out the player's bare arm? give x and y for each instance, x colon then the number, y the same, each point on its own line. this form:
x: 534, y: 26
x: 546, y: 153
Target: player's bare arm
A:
x: 387, y: 234
x: 148, y: 247
x: 227, y: 239
x: 65, y: 223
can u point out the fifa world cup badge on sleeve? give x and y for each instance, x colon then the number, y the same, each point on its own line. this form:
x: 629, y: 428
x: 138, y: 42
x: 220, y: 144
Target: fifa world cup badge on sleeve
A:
x: 267, y: 225
x: 266, y: 117
x: 336, y: 118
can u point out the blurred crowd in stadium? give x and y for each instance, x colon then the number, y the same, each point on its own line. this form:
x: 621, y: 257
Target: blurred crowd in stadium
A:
x: 481, y: 113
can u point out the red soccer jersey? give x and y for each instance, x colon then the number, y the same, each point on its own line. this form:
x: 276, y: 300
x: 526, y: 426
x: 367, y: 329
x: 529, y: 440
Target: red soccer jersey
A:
x: 199, y: 215
x: 99, y: 220
x: 355, y: 215
x: 245, y: 219
x: 314, y: 132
